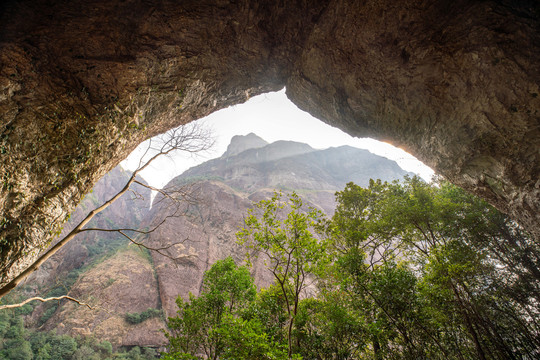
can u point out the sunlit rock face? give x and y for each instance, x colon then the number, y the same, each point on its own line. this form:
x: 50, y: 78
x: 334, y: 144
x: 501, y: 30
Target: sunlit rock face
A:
x: 83, y: 82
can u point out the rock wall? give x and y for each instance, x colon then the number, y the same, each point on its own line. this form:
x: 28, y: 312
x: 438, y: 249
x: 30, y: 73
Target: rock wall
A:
x: 83, y: 82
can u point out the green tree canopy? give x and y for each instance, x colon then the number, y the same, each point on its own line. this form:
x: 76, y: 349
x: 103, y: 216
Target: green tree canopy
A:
x: 285, y: 231
x: 406, y: 270
x: 217, y: 324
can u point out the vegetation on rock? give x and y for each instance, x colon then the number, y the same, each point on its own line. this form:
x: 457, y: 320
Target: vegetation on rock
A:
x: 137, y: 318
x: 20, y: 343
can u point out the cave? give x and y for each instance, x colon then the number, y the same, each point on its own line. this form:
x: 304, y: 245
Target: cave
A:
x: 82, y: 83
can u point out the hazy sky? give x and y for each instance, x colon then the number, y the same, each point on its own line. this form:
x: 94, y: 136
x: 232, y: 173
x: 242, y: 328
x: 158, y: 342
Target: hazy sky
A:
x: 272, y: 117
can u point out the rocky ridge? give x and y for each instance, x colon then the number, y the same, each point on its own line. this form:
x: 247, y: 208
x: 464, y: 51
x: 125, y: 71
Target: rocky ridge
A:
x: 102, y: 270
x: 226, y: 188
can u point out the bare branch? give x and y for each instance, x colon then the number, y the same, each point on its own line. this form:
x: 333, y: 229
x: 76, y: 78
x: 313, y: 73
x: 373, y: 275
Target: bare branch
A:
x: 143, y: 232
x: 189, y: 138
x: 13, y: 306
x: 158, y: 250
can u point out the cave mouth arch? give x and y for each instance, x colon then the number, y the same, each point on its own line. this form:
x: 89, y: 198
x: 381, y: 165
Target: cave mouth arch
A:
x: 456, y: 84
x: 273, y: 117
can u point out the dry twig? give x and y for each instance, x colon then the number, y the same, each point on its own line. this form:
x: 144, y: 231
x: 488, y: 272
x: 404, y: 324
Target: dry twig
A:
x: 13, y: 306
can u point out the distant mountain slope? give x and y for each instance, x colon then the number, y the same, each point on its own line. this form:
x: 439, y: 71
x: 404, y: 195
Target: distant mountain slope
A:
x: 95, y: 268
x: 300, y: 165
x: 241, y: 143
x: 288, y: 165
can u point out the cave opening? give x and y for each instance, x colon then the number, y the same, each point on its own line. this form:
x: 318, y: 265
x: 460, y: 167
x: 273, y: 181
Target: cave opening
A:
x: 273, y: 117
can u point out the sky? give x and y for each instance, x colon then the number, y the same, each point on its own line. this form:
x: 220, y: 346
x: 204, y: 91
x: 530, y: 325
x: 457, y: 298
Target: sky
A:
x: 273, y: 117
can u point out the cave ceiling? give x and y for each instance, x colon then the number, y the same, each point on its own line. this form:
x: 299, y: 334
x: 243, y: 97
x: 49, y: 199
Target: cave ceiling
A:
x: 82, y: 83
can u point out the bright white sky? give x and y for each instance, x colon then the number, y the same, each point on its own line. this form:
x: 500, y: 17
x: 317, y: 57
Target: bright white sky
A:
x: 272, y: 117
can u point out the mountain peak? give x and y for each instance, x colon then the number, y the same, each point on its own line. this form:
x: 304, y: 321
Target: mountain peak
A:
x: 241, y: 143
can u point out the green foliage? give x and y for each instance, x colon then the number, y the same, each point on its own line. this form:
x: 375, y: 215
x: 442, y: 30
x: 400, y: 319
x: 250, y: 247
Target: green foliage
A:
x: 433, y: 271
x: 329, y: 330
x: 48, y: 313
x: 63, y: 347
x: 401, y: 271
x: 105, y: 246
x: 105, y: 347
x: 404, y: 271
x: 137, y: 318
x: 217, y: 322
x: 247, y: 339
x: 228, y: 286
x: 286, y: 233
x: 85, y: 353
x: 16, y: 342
x: 19, y: 349
x: 44, y: 352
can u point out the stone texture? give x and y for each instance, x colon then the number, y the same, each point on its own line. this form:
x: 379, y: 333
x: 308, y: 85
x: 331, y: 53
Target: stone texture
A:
x: 83, y: 82
x: 240, y: 143
x: 454, y: 83
x: 124, y: 283
x: 127, y: 212
x: 100, y: 269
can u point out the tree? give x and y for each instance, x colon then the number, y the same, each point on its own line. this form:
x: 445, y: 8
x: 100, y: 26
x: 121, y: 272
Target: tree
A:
x: 328, y: 329
x: 284, y: 232
x: 246, y: 338
x: 44, y: 352
x: 188, y: 138
x: 202, y: 324
x: 456, y: 291
x: 403, y: 271
x: 105, y: 348
x: 62, y: 347
x: 85, y: 353
x: 19, y: 349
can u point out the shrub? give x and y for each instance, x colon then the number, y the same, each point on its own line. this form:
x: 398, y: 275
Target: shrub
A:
x: 137, y: 318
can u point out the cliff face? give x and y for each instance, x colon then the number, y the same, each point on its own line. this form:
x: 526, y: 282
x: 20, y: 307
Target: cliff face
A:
x: 83, y: 82
x: 102, y: 270
x: 117, y: 278
x: 126, y: 212
x: 122, y: 284
x: 225, y: 188
x: 241, y: 143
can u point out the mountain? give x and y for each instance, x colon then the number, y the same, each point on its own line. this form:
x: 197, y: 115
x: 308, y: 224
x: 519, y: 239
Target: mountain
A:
x: 241, y: 143
x: 122, y: 281
x: 289, y: 165
x: 225, y: 188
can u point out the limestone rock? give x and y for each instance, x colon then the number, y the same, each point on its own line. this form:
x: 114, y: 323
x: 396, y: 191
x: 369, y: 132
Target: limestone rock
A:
x: 122, y: 284
x: 204, y: 231
x: 117, y: 278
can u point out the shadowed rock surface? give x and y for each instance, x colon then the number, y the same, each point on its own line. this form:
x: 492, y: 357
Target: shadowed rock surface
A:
x: 456, y: 83
x: 102, y: 270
